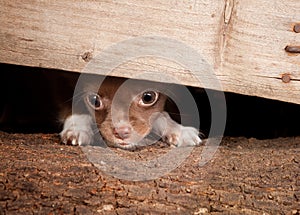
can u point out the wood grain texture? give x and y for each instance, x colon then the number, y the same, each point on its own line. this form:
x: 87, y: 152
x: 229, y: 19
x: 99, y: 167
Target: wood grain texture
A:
x: 242, y: 41
x: 254, y: 53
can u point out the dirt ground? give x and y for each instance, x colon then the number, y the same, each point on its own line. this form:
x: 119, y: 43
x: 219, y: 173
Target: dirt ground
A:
x: 38, y: 175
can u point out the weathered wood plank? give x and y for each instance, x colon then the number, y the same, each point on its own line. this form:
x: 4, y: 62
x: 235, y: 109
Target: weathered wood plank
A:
x: 242, y: 40
x: 254, y: 57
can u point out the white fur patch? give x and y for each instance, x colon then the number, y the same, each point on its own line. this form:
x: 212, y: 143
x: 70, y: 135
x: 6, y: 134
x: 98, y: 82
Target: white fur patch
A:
x: 174, y: 133
x: 77, y: 130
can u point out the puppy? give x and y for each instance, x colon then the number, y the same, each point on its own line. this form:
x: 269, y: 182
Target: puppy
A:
x: 124, y: 111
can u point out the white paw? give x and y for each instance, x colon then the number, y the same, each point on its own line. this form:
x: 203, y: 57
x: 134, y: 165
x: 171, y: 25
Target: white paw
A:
x: 76, y: 137
x: 77, y: 130
x: 189, y: 137
x: 183, y: 136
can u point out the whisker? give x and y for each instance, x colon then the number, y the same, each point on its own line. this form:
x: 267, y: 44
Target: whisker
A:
x: 155, y: 133
x: 202, y: 135
x: 75, y: 98
x: 78, y: 96
x: 95, y: 127
x: 179, y: 114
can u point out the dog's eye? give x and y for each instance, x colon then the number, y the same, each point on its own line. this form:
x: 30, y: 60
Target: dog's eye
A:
x: 94, y: 101
x: 148, y: 98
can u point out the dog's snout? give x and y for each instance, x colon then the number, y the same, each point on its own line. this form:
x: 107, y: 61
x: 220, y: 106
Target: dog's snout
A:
x: 122, y: 132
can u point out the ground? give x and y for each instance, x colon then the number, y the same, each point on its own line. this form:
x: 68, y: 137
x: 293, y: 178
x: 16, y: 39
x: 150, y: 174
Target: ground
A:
x: 38, y: 175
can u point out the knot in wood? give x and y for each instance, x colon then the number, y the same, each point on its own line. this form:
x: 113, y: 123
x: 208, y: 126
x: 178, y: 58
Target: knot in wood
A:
x: 87, y: 56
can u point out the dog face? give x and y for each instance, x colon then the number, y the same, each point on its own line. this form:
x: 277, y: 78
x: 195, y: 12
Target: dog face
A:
x: 124, y: 109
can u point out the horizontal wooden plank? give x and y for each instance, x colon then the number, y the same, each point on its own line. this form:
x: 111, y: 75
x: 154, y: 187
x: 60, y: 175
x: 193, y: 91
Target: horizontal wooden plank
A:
x: 242, y: 42
x: 254, y: 49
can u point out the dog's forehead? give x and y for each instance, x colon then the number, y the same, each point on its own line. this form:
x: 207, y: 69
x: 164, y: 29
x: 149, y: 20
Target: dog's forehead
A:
x: 125, y: 88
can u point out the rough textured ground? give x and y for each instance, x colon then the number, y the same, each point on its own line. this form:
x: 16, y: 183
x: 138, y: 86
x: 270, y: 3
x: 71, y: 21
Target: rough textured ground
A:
x: 38, y: 175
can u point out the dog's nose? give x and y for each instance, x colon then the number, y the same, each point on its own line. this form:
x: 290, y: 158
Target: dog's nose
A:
x: 122, y: 132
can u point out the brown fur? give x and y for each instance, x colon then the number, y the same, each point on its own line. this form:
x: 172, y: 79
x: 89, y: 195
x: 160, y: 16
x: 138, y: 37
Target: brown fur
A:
x: 125, y: 112
x: 122, y: 108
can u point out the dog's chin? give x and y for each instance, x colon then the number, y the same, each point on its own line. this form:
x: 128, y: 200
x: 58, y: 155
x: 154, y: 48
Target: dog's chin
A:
x: 122, y: 144
x: 131, y: 143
